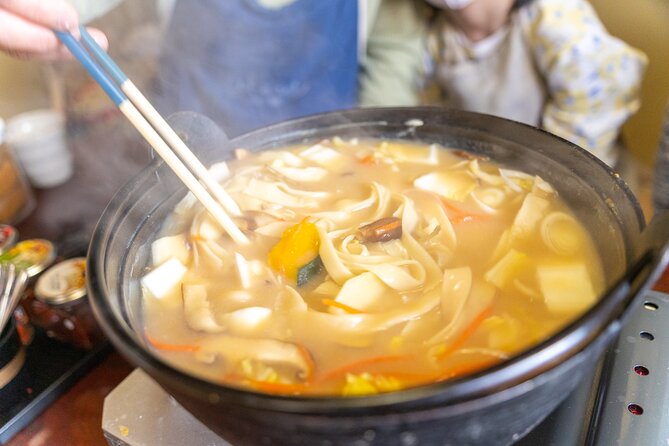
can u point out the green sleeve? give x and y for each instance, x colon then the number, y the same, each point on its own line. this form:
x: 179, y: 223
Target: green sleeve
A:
x: 392, y: 66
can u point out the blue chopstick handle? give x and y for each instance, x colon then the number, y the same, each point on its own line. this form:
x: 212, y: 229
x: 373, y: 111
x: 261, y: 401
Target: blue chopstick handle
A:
x: 93, y: 69
x: 107, y: 62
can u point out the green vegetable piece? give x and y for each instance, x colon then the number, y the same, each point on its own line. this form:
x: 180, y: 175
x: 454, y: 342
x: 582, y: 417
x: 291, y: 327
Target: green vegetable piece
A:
x: 309, y: 271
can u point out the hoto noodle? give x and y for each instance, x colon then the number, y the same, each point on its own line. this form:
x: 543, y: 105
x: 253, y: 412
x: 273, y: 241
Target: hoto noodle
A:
x: 374, y: 266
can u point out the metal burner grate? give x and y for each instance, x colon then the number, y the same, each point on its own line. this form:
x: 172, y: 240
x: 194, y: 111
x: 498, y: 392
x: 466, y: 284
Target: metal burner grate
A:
x: 635, y: 404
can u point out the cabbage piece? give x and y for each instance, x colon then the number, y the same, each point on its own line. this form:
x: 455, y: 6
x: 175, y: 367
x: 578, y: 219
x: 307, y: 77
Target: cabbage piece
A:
x: 325, y: 156
x: 526, y: 289
x: 284, y: 157
x: 197, y: 309
x: 567, y: 288
x: 485, y: 177
x: 368, y: 384
x: 452, y: 185
x: 418, y: 154
x: 164, y: 279
x: 171, y: 246
x: 528, y: 217
x: 478, y: 351
x: 503, y: 332
x: 517, y: 180
x: 363, y: 292
x: 542, y: 188
x: 508, y: 268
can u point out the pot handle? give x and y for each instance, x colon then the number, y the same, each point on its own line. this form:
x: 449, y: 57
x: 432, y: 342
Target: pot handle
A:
x: 650, y: 261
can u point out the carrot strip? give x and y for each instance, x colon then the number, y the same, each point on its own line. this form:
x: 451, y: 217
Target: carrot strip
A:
x: 361, y: 364
x: 341, y: 306
x: 465, y: 335
x: 284, y: 388
x: 368, y: 160
x: 465, y: 369
x: 457, y: 215
x: 451, y: 207
x: 171, y: 347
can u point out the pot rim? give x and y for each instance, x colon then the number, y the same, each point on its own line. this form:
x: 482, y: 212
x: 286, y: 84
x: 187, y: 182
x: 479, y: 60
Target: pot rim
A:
x: 564, y: 344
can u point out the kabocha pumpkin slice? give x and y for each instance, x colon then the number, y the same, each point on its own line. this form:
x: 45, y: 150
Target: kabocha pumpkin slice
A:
x: 296, y: 254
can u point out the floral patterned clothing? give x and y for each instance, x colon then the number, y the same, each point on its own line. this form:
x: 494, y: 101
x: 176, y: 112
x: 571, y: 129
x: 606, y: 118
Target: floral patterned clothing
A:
x: 590, y: 80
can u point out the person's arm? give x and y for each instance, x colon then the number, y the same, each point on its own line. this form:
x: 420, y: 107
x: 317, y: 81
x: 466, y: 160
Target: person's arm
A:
x: 593, y: 78
x: 392, y: 67
x: 661, y: 178
x: 27, y: 28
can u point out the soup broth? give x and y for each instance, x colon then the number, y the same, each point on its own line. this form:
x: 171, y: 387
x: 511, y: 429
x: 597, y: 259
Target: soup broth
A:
x: 373, y: 266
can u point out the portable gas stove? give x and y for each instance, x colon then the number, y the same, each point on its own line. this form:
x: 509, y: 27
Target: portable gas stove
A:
x: 624, y: 402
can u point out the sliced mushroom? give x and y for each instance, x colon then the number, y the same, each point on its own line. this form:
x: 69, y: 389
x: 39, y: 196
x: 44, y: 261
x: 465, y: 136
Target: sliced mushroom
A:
x: 197, y: 309
x: 382, y: 230
x: 291, y: 361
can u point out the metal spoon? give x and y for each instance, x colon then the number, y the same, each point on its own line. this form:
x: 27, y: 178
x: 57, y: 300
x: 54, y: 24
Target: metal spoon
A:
x: 12, y: 284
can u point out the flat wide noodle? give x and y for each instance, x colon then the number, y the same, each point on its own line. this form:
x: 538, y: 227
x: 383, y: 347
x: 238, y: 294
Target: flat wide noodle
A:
x: 374, y: 265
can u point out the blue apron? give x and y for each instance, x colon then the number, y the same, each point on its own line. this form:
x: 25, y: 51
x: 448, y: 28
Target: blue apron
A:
x: 246, y: 66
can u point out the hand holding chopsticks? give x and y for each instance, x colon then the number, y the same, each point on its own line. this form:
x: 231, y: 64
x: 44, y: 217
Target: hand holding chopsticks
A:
x: 155, y: 130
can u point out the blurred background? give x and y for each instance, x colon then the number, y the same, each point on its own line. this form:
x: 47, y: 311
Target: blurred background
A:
x: 108, y: 151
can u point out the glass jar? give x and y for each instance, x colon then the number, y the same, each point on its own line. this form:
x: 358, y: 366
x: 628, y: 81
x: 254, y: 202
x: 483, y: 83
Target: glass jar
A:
x: 60, y: 305
x: 8, y: 237
x: 33, y: 255
x: 16, y: 197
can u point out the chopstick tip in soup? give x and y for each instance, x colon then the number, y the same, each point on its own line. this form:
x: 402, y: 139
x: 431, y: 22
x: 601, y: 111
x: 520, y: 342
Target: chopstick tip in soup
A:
x: 374, y: 266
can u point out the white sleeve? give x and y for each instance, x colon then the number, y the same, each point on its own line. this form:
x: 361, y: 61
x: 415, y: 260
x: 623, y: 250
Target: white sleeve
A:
x: 90, y: 10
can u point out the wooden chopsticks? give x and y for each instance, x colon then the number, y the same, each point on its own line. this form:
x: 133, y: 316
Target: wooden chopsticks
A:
x: 157, y: 132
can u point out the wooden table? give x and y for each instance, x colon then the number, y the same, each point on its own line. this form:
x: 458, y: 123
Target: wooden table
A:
x: 75, y: 418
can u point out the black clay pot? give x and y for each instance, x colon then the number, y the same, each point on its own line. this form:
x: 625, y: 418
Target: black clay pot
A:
x: 495, y: 406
